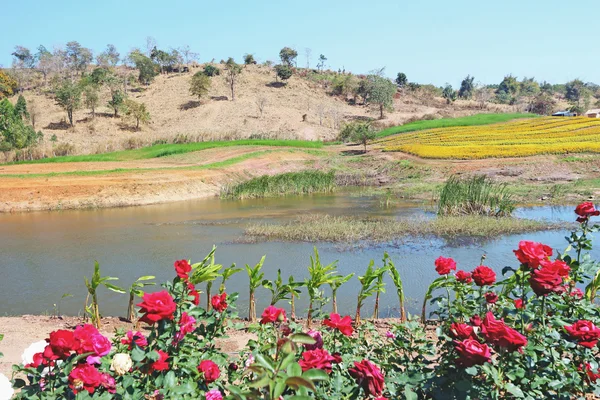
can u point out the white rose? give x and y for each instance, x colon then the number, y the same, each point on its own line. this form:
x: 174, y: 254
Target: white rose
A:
x: 6, y: 390
x: 121, y: 363
x: 33, y: 349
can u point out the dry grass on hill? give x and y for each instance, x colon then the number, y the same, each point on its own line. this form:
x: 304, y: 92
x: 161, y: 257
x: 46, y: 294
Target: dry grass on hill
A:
x: 175, y: 112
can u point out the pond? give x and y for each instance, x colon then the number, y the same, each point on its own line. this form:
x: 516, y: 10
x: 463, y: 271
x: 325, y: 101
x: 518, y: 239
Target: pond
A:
x: 46, y: 254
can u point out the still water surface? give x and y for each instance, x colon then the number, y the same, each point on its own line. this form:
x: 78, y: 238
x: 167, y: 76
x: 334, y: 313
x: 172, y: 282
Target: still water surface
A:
x: 46, y: 254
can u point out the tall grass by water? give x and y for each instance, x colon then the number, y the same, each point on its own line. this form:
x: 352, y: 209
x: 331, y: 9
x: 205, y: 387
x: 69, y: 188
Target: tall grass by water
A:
x: 477, y: 195
x: 477, y: 119
x: 304, y: 182
x: 163, y: 150
x: 344, y: 229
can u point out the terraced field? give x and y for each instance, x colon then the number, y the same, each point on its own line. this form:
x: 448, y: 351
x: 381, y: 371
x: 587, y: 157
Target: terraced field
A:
x: 520, y: 138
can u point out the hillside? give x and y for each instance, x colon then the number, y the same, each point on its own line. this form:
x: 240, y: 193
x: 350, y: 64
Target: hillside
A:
x: 177, y: 114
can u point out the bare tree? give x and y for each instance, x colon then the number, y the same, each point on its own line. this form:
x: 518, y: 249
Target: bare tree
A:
x: 188, y: 55
x: 261, y: 103
x: 336, y: 117
x: 482, y: 95
x: 307, y: 53
x: 321, y: 112
x: 150, y: 45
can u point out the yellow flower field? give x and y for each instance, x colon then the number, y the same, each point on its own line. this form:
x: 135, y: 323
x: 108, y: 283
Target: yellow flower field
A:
x: 520, y: 138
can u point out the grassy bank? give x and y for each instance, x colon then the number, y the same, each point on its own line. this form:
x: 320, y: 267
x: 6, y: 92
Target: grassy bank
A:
x: 472, y: 120
x: 327, y: 228
x: 303, y: 182
x: 163, y: 150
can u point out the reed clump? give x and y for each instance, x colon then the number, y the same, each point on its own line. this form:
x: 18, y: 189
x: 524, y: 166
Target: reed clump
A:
x: 304, y: 182
x: 476, y: 195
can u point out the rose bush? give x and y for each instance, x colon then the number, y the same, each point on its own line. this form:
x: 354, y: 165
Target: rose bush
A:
x: 532, y: 333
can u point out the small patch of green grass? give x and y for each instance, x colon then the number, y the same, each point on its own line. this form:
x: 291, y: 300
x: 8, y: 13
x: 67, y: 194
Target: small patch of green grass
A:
x: 477, y: 119
x: 163, y: 150
x: 303, y: 182
x: 218, y: 164
x: 327, y: 228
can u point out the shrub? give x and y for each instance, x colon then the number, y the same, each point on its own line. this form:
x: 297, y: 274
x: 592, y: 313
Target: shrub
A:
x: 284, y: 72
x: 249, y: 59
x: 210, y: 70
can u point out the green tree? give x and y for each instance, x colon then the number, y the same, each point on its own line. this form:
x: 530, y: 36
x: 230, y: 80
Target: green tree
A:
x: 68, y: 96
x: 363, y: 133
x: 382, y: 92
x: 21, y: 108
x: 117, y: 98
x: 249, y: 59
x: 14, y: 134
x: 211, y: 70
x: 529, y: 87
x: 109, y: 57
x: 344, y: 85
x: 578, y: 95
x: 232, y: 72
x: 466, y: 88
x: 136, y: 111
x: 283, y: 72
x: 23, y: 57
x: 77, y: 57
x: 288, y: 56
x: 91, y: 97
x: 146, y: 67
x: 508, y: 90
x: 449, y: 94
x: 401, y: 79
x: 200, y: 84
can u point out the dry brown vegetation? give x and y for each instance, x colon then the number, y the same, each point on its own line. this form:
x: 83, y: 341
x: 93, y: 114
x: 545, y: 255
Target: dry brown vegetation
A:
x: 178, y: 116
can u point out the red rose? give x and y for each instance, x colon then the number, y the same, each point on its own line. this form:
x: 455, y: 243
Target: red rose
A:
x: 319, y: 359
x: 193, y: 293
x: 368, y: 376
x: 183, y: 268
x: 461, y: 331
x: 483, y: 275
x: 62, y: 343
x: 219, y: 302
x: 337, y: 358
x: 343, y: 325
x: 532, y: 253
x: 586, y: 210
x: 584, y: 332
x: 136, y: 338
x: 562, y: 268
x: 463, y: 276
x: 273, y: 314
x: 209, y: 370
x: 491, y: 297
x: 83, y: 335
x: 576, y: 292
x: 475, y: 320
x: 157, y: 306
x: 519, y: 304
x: 546, y: 280
x: 161, y: 364
x: 187, y: 324
x: 84, y: 377
x: 498, y: 333
x: 471, y: 352
x: 444, y: 265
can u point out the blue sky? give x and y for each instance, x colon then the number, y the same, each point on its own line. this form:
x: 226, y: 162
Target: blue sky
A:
x: 433, y: 41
